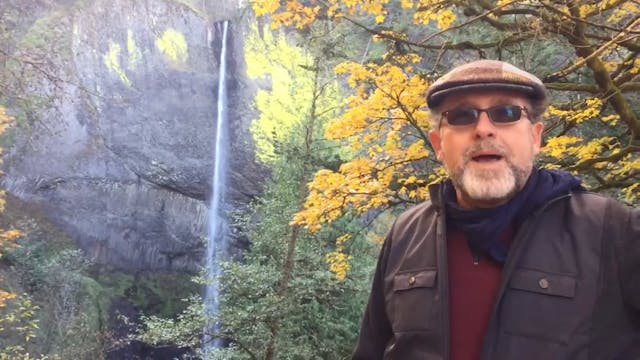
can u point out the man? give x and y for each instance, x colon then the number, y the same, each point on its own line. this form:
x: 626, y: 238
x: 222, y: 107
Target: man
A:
x: 505, y: 261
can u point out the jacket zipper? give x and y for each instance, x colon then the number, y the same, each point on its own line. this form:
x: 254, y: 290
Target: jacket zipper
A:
x: 507, y: 271
x: 443, y: 274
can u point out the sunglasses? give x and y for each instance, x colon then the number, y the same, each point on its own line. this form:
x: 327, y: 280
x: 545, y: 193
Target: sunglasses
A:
x: 499, y: 115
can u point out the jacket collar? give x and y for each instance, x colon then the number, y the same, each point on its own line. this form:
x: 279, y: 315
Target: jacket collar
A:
x: 436, y: 194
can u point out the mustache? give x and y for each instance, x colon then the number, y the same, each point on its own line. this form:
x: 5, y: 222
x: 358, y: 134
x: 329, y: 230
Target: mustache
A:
x: 485, y: 145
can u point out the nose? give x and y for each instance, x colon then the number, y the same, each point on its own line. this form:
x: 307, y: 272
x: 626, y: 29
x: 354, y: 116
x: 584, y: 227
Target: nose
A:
x: 484, y: 127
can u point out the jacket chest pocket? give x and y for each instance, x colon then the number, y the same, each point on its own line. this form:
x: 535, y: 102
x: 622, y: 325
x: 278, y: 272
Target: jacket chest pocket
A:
x: 542, y: 305
x: 413, y: 300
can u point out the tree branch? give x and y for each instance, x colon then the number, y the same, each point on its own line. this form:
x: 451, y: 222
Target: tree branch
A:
x: 594, y: 53
x: 572, y: 87
x: 470, y: 21
x: 586, y: 164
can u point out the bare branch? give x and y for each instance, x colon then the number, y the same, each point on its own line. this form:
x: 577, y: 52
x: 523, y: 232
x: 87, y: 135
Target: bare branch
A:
x: 466, y: 23
x: 595, y: 53
x: 572, y: 87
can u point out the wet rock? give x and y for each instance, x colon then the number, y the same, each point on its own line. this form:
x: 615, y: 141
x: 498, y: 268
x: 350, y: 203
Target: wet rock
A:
x: 123, y: 157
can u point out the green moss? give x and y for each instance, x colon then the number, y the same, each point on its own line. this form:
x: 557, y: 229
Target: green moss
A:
x: 48, y: 43
x: 49, y: 33
x: 7, y: 138
x: 193, y: 5
x: 116, y: 282
x: 26, y: 106
x: 98, y: 297
x: 173, y: 45
x: 153, y: 293
x: 112, y: 62
x: 112, y: 57
x: 135, y: 56
x: 80, y: 5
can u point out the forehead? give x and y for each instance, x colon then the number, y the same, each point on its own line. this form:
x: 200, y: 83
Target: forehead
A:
x: 484, y: 99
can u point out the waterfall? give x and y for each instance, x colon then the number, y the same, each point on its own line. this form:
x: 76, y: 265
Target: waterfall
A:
x: 217, y: 239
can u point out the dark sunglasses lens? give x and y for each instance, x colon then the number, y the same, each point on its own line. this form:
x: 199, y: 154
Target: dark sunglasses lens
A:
x: 505, y: 114
x: 462, y: 116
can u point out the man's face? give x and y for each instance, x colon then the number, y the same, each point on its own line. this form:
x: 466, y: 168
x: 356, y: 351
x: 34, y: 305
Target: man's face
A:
x: 487, y: 162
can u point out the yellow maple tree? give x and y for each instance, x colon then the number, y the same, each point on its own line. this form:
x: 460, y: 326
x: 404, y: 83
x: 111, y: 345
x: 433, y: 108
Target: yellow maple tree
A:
x: 386, y: 124
x: 593, y: 129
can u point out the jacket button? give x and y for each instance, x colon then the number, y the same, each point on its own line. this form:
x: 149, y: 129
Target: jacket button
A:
x: 412, y: 280
x: 544, y: 283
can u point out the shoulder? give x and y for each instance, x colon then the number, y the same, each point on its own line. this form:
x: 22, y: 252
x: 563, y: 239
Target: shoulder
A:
x: 416, y: 222
x: 415, y: 213
x: 589, y: 202
x: 583, y: 203
x: 590, y: 198
x: 602, y: 211
x: 411, y: 243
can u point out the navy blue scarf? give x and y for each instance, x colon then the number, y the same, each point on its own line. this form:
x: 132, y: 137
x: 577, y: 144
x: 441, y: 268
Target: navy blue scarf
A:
x: 484, y: 227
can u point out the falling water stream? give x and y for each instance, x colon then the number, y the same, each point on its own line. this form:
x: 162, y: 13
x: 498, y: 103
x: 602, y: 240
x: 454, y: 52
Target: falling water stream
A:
x: 217, y: 239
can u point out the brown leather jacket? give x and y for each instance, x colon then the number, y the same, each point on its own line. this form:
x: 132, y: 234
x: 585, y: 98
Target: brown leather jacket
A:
x: 570, y: 286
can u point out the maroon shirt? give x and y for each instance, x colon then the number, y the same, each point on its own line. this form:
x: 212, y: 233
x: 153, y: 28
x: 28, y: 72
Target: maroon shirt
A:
x: 473, y: 286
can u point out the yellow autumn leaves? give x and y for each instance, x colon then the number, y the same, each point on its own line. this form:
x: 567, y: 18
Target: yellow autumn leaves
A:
x: 383, y: 123
x: 300, y: 14
x: 606, y: 154
x: 620, y: 9
x: 339, y: 261
x: 589, y: 109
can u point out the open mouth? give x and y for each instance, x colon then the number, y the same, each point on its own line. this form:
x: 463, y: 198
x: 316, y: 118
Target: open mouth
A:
x: 486, y: 157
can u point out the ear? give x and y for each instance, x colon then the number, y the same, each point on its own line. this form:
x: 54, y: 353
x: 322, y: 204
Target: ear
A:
x: 536, y: 135
x: 436, y: 142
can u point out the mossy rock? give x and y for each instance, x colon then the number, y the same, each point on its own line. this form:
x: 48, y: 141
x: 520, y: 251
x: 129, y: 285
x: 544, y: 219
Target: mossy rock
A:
x: 152, y: 293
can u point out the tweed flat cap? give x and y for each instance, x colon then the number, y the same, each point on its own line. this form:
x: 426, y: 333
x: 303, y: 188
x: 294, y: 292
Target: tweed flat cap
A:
x: 485, y: 75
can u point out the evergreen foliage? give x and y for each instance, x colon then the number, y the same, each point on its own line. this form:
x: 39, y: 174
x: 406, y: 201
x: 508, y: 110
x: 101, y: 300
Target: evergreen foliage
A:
x: 64, y: 315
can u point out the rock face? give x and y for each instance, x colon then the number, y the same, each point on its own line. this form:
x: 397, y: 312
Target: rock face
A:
x: 123, y: 159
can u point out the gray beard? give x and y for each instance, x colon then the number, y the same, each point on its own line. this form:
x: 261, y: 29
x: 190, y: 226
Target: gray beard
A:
x: 489, y: 186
